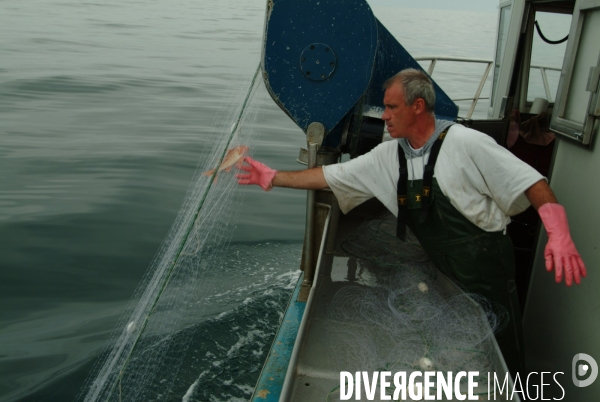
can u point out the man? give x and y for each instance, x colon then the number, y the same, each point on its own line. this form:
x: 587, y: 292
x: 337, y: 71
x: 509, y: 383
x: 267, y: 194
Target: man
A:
x: 476, y: 187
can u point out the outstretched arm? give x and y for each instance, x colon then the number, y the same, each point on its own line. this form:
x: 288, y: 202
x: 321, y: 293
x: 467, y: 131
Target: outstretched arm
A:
x: 262, y: 175
x: 560, y: 253
x: 309, y: 179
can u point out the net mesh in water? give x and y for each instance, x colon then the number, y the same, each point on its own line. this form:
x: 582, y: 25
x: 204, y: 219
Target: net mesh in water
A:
x: 144, y: 356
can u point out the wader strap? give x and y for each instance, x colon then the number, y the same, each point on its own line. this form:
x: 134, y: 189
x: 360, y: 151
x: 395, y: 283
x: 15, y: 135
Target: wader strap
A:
x: 402, y: 188
x: 401, y: 191
x: 428, y: 175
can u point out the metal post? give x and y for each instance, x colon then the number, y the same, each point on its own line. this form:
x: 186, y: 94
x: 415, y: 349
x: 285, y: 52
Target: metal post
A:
x: 546, y: 86
x: 310, y: 218
x: 314, y: 138
x: 333, y: 225
x: 478, y: 92
x: 431, y: 67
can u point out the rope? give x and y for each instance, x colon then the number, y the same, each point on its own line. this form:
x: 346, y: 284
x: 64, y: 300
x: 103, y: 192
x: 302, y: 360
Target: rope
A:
x: 176, y: 259
x: 551, y: 42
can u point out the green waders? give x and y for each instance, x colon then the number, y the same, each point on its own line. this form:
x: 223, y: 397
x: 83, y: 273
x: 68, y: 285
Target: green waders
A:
x: 482, y: 262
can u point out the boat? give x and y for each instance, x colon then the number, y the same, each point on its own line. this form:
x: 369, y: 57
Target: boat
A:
x: 323, y: 63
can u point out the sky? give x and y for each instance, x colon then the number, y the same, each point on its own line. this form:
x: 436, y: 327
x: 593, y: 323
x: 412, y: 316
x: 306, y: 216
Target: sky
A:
x: 467, y: 5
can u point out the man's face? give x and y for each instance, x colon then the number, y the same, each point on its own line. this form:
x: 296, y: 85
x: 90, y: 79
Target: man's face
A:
x: 399, y: 117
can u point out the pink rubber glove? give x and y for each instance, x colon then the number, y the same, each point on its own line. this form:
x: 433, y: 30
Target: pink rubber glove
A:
x: 258, y: 173
x: 560, y: 252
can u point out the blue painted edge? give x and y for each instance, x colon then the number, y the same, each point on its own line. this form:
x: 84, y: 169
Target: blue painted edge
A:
x: 271, y: 379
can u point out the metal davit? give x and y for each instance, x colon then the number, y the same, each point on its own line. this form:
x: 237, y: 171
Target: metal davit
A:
x: 325, y: 61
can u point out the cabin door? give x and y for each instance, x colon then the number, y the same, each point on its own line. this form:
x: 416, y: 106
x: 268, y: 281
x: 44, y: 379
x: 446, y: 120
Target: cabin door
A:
x: 507, y: 42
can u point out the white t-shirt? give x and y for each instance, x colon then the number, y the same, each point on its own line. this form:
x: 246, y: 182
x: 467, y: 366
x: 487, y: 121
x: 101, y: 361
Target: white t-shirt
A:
x: 484, y: 181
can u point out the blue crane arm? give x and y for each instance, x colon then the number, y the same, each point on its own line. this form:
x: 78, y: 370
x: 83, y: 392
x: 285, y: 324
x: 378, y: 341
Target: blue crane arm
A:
x: 326, y: 61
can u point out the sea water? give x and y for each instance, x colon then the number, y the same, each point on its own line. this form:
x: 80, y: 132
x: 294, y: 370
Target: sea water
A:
x: 105, y: 110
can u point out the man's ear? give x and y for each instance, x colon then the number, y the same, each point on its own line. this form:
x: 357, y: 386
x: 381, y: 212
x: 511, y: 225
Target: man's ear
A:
x: 419, y: 106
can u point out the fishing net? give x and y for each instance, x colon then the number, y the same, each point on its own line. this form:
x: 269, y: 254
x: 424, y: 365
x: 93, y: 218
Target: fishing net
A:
x: 152, y: 339
x: 408, y: 321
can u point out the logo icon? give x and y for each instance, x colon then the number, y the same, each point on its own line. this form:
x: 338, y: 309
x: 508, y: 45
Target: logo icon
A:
x: 582, y: 369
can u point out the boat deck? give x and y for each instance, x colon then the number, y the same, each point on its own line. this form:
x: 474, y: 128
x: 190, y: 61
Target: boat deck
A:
x: 341, y: 329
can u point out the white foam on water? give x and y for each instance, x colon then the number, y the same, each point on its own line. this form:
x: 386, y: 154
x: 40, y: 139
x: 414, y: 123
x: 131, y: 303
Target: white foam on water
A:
x: 250, y: 338
x: 192, y: 389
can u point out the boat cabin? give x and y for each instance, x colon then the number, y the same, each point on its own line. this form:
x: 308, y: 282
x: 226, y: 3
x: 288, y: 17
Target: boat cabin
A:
x: 544, y: 106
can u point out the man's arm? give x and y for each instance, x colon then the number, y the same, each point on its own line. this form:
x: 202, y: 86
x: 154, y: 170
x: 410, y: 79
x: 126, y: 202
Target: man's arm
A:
x: 539, y: 194
x: 262, y: 175
x: 309, y: 179
x: 560, y: 252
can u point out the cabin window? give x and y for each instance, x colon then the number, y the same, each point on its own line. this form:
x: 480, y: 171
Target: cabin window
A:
x: 503, y: 25
x: 547, y: 58
x: 585, y: 59
x: 577, y: 107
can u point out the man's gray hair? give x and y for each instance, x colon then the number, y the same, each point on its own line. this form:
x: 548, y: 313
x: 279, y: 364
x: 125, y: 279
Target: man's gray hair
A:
x: 416, y: 84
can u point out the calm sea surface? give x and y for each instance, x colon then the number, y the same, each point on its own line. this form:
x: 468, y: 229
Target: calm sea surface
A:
x: 106, y: 109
